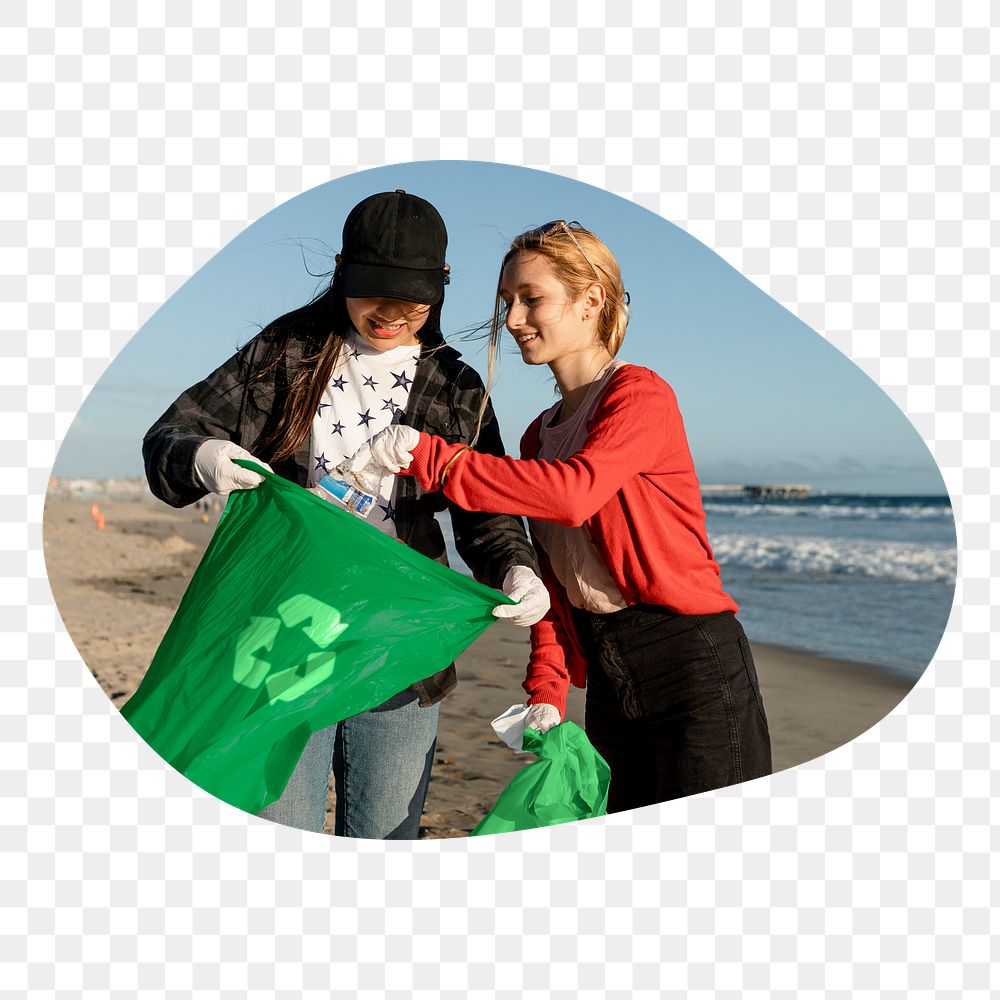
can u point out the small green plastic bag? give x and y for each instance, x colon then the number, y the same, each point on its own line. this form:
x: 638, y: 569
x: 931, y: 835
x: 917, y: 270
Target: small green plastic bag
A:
x: 568, y: 782
x: 298, y: 616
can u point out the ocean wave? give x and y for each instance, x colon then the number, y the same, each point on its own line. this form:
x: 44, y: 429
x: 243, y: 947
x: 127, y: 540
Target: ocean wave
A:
x: 838, y: 557
x: 832, y: 511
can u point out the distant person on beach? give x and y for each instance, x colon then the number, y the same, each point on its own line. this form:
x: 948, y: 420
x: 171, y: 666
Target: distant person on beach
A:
x: 639, y: 615
x: 303, y: 395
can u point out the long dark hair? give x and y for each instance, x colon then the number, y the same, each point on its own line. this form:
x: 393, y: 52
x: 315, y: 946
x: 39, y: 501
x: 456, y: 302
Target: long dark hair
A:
x: 322, y: 325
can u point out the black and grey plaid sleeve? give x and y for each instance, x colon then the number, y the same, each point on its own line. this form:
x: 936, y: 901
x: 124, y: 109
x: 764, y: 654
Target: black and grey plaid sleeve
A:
x: 217, y: 407
x: 490, y: 544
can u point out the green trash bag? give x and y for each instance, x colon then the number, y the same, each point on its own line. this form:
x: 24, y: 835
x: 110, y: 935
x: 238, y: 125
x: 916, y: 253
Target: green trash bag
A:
x: 299, y: 615
x: 569, y: 781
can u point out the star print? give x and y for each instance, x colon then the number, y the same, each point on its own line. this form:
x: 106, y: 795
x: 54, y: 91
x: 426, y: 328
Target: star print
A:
x: 391, y: 405
x: 321, y: 408
x: 366, y: 418
x: 402, y: 381
x: 388, y: 510
x: 355, y: 353
x: 338, y: 383
x: 321, y: 463
x: 337, y: 428
x: 370, y: 381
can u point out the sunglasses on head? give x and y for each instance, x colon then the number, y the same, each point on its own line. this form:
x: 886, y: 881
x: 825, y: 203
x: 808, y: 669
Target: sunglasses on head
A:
x: 560, y: 225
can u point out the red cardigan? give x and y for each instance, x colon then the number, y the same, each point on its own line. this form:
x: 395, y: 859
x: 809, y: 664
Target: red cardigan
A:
x: 634, y: 488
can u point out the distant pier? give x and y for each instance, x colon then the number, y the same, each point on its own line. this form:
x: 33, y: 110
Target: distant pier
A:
x: 759, y: 491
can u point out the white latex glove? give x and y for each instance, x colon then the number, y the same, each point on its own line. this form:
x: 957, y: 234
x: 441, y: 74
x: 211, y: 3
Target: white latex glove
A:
x: 521, y: 584
x: 542, y: 717
x: 214, y: 468
x: 511, y: 725
x: 386, y: 453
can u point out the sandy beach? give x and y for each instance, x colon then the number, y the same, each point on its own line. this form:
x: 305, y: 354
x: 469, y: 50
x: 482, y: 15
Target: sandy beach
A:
x: 117, y: 589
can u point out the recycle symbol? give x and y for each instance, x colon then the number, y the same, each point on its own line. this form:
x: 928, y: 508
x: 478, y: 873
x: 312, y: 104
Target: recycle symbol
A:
x: 301, y: 634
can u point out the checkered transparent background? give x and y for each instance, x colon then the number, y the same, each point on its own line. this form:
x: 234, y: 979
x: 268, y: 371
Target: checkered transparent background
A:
x: 839, y: 155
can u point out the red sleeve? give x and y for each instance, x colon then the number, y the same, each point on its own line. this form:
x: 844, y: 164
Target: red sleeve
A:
x: 556, y: 659
x: 627, y: 435
x: 547, y: 677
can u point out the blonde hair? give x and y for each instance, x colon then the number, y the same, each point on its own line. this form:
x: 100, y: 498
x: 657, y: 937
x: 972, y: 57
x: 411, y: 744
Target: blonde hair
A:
x: 580, y: 259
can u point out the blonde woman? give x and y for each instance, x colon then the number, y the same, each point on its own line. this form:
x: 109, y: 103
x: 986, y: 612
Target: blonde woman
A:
x: 639, y: 615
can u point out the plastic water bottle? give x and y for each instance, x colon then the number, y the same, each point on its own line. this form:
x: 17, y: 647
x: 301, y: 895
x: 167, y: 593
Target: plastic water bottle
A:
x: 335, y: 488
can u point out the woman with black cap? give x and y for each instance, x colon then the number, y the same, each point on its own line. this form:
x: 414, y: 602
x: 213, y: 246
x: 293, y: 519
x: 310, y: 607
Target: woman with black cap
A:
x: 307, y: 392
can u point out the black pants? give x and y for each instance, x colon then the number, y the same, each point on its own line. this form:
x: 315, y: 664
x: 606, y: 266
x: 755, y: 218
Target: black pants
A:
x: 673, y: 703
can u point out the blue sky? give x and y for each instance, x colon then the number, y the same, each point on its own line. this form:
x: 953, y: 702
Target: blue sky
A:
x: 764, y: 398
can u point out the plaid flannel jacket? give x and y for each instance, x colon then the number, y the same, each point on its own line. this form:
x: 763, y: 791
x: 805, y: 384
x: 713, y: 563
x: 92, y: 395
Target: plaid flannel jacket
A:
x: 444, y: 400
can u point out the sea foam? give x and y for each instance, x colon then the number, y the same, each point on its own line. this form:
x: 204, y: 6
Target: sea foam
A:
x: 838, y: 557
x: 883, y: 511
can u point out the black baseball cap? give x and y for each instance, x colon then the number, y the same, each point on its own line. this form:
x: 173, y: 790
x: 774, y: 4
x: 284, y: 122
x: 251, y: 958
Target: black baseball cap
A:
x: 394, y: 246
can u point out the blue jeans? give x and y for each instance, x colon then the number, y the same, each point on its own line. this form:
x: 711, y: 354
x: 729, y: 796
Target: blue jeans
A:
x: 381, y: 761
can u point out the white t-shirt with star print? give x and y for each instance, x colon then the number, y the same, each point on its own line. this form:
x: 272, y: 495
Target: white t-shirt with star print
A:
x: 367, y: 388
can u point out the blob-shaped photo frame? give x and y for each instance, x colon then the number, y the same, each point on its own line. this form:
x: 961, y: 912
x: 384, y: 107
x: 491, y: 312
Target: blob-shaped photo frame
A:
x: 811, y: 500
